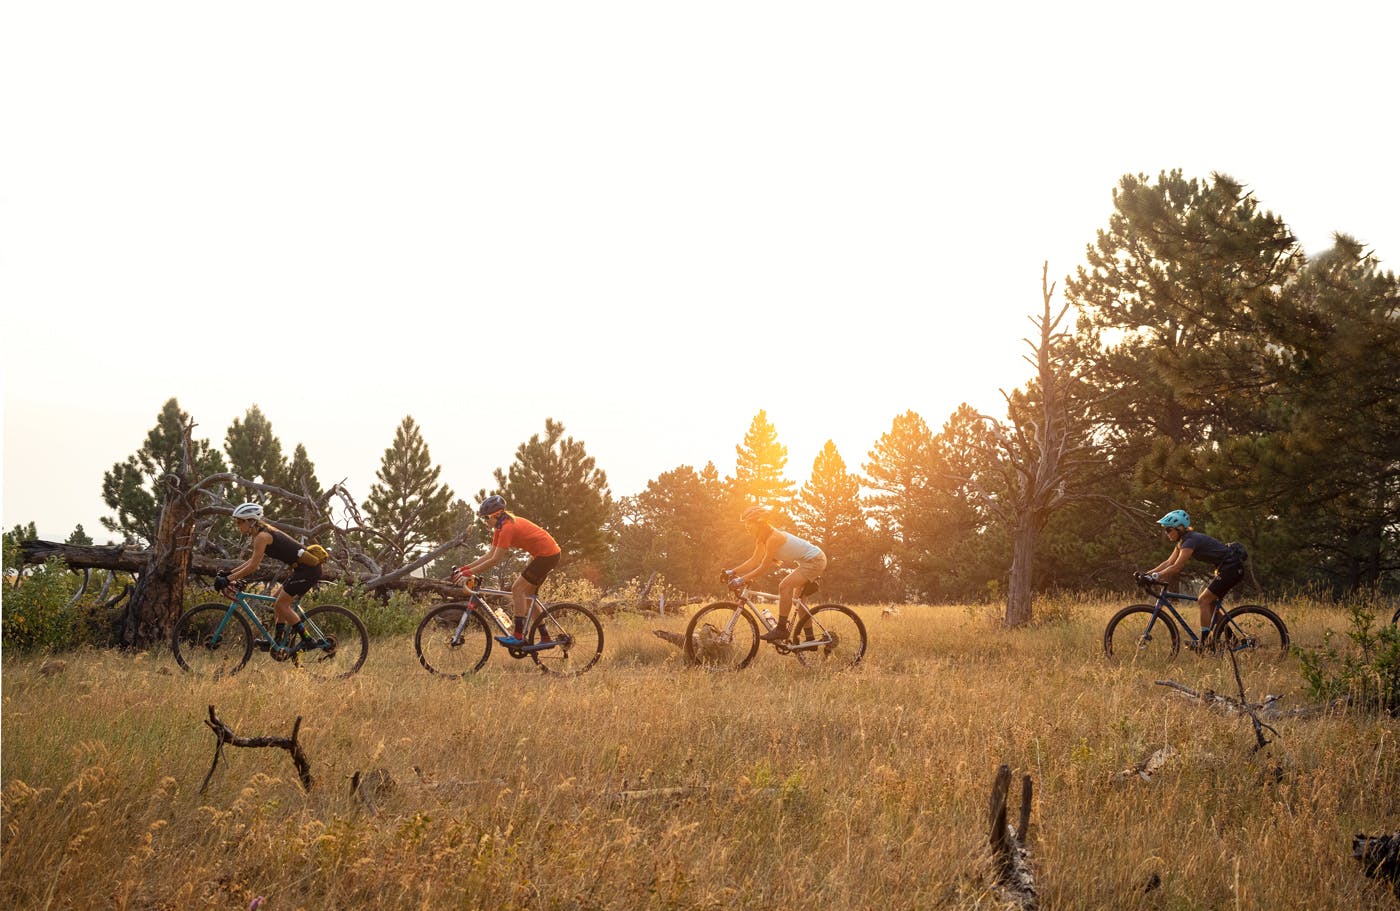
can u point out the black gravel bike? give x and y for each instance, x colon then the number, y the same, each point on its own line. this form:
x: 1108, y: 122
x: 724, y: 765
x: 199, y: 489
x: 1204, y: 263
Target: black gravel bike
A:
x: 1148, y: 633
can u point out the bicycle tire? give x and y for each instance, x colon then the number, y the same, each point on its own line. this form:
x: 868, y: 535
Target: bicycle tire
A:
x: 1265, y: 632
x: 708, y: 647
x: 436, y: 651
x: 1126, y: 640
x: 348, y: 642
x: 578, y: 631
x: 195, y: 650
x: 846, y: 631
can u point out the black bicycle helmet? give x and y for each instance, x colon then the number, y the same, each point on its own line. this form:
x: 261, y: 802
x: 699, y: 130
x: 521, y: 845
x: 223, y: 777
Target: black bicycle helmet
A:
x: 493, y: 503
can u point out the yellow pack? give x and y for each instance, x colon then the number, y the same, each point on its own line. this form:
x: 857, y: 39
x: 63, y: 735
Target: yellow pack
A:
x: 313, y: 555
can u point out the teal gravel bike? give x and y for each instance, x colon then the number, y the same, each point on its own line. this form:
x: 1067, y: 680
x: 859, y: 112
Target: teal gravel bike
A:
x: 216, y: 640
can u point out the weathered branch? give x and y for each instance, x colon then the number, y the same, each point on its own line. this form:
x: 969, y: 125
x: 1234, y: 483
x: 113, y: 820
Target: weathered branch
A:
x: 1015, y: 879
x: 223, y: 734
x: 129, y: 558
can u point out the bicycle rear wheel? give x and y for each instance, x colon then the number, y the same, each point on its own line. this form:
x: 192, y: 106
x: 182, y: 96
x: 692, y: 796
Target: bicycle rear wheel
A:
x: 1133, y: 637
x: 1255, y: 633
x: 721, y: 637
x: 336, y: 642
x: 201, y: 648
x: 445, y: 653
x: 569, y: 640
x: 837, y: 633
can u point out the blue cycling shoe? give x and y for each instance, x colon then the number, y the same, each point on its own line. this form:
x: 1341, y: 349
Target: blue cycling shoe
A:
x: 510, y: 641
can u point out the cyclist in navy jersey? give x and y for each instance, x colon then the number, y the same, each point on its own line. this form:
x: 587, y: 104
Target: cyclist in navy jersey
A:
x: 1228, y: 560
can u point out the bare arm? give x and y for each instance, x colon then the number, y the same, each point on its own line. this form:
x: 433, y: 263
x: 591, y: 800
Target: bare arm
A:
x: 481, y: 564
x: 762, y: 560
x: 1173, y: 565
x: 250, y: 566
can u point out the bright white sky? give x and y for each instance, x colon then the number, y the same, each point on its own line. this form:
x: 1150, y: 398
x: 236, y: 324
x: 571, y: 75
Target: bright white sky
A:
x: 647, y: 220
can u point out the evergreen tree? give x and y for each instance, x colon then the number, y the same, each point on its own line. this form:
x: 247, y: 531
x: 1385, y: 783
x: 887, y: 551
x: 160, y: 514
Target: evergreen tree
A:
x: 407, y: 507
x: 79, y: 537
x: 254, y: 452
x: 130, y: 487
x: 829, y: 512
x: 901, y: 471
x: 1170, y: 304
x: 554, y: 483
x: 758, y: 472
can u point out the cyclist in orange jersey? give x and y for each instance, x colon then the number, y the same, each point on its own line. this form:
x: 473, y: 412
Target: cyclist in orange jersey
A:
x: 513, y: 531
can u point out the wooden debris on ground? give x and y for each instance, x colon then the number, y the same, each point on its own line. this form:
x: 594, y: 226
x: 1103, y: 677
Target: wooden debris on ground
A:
x: 1015, y: 880
x: 223, y: 734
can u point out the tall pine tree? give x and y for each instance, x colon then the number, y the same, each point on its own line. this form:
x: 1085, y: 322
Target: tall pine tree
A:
x: 408, y: 509
x: 758, y: 470
x: 130, y: 486
x: 556, y: 484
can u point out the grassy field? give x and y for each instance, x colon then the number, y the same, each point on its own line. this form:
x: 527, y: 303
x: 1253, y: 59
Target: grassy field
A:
x: 864, y: 789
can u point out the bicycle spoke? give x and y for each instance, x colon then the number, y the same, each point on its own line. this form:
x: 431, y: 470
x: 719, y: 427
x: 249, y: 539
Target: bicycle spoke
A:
x: 452, y: 641
x: 566, y: 640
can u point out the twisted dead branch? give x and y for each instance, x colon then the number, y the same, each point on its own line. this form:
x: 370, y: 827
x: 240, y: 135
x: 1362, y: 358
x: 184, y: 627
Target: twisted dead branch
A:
x: 223, y: 734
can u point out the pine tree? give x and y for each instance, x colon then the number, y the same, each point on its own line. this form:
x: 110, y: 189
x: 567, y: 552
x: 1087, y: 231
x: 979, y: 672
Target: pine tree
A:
x: 130, y: 487
x: 758, y: 471
x: 901, y: 472
x: 254, y: 452
x: 79, y: 537
x: 407, y: 507
x: 554, y: 483
x: 829, y: 512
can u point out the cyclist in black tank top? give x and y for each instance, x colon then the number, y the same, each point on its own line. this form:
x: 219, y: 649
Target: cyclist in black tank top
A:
x: 268, y: 541
x: 1228, y: 560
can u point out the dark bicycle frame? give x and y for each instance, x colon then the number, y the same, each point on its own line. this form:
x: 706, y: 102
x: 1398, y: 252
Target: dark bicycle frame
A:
x: 1165, y: 599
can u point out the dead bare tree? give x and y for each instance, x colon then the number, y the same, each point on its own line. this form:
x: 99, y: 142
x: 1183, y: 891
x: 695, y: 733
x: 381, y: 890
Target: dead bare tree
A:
x: 1039, y: 452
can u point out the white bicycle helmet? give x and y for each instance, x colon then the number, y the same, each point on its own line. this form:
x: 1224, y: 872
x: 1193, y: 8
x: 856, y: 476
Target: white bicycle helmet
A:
x: 756, y: 514
x: 248, y: 511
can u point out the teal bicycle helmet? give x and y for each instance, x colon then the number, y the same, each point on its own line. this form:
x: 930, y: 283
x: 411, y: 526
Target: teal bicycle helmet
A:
x: 1177, y: 518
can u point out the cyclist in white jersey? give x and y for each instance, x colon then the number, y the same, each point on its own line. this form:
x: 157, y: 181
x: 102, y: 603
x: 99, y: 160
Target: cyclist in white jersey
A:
x: 771, y: 547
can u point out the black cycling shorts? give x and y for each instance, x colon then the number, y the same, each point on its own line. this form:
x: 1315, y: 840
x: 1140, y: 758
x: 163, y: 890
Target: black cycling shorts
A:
x: 301, y: 580
x: 1229, y: 573
x: 539, y: 568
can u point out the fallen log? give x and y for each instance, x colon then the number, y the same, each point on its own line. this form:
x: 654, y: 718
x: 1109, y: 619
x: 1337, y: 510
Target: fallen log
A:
x: 223, y: 734
x: 130, y: 558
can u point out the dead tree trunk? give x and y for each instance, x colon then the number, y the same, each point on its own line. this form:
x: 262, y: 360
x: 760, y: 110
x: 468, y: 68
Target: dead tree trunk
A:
x: 159, y: 596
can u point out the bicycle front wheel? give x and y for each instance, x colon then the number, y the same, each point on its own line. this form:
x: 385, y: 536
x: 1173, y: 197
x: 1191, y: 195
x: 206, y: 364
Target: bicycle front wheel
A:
x: 444, y: 651
x: 202, y: 647
x: 721, y: 637
x: 834, y: 637
x: 1135, y: 636
x: 1254, y: 631
x: 566, y: 640
x: 336, y: 642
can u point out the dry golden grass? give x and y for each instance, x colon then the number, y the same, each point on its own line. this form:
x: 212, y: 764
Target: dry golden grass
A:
x: 864, y: 789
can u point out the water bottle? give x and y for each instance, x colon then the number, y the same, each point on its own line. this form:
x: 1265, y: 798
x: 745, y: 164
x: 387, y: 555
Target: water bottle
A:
x: 768, y: 619
x: 505, y: 620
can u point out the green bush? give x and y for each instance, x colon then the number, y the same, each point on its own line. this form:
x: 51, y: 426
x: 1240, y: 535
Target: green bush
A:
x: 36, y: 616
x: 396, y: 616
x: 1368, y: 672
